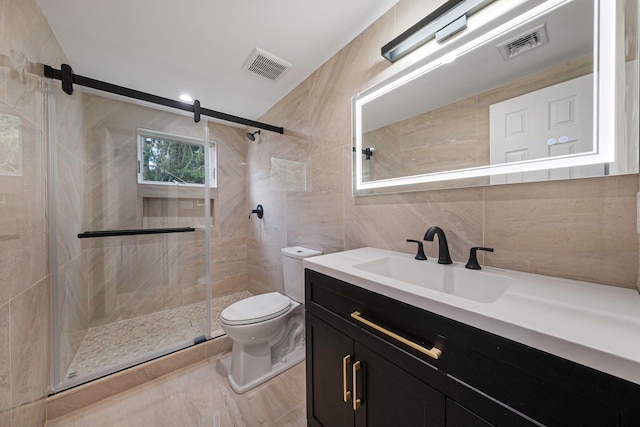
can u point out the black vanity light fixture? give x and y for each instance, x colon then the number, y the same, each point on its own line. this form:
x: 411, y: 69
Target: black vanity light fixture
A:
x: 446, y: 21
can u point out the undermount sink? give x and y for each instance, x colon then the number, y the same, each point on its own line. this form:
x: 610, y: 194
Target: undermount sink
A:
x: 474, y: 285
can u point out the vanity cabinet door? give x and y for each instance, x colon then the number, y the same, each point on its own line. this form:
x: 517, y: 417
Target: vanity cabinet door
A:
x: 385, y: 395
x: 390, y: 396
x: 459, y: 416
x: 327, y: 375
x: 487, y: 378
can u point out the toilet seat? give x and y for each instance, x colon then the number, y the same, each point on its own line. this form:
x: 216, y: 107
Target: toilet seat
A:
x: 256, y: 309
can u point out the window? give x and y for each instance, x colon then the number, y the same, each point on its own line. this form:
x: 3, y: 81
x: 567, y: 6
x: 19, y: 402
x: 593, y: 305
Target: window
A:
x: 165, y: 159
x: 10, y: 145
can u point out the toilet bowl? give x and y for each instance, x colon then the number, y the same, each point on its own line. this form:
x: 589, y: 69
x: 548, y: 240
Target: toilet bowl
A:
x: 267, y: 330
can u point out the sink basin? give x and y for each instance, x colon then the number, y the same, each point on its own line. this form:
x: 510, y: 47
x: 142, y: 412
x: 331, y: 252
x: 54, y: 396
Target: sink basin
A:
x: 454, y: 279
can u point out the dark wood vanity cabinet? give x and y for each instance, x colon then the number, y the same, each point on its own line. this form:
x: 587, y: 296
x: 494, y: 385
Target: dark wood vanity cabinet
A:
x: 478, y: 380
x: 387, y: 395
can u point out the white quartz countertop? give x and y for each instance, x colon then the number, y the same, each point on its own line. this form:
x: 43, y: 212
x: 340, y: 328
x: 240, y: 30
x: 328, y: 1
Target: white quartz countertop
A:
x: 591, y: 324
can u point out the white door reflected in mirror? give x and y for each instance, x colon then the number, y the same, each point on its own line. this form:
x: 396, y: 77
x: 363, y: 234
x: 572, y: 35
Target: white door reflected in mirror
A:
x: 550, y: 122
x: 430, y: 124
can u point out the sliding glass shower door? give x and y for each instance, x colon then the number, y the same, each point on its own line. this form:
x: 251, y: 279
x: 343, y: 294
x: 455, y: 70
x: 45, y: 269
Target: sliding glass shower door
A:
x: 129, y: 241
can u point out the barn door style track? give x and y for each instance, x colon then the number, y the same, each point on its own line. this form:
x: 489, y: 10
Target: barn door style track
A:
x: 66, y: 75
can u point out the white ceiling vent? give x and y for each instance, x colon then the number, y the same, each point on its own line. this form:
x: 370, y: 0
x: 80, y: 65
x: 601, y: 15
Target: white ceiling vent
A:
x: 266, y: 64
x: 524, y: 42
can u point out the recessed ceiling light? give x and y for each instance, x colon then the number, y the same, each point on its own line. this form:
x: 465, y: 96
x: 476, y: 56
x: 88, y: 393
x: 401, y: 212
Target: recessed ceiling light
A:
x: 186, y: 98
x: 448, y: 58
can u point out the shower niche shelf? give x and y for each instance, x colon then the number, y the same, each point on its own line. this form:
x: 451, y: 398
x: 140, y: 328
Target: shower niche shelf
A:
x: 174, y: 212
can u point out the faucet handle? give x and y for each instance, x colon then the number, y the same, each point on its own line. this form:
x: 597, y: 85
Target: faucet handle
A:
x: 420, y: 255
x: 473, y: 258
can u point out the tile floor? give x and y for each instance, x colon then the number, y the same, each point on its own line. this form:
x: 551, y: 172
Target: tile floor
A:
x: 104, y: 346
x: 199, y: 395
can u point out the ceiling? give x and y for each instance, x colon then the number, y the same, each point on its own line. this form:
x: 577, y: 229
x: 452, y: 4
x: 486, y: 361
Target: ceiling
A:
x: 483, y: 68
x: 198, y: 47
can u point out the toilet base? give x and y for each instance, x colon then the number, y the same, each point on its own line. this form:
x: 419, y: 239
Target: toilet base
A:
x: 288, y: 361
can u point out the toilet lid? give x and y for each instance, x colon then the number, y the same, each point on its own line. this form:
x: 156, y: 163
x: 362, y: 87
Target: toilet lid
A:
x: 255, y: 309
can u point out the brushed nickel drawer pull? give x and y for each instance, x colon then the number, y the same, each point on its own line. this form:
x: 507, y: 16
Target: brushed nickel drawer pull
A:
x: 356, y: 402
x: 346, y: 394
x: 433, y: 352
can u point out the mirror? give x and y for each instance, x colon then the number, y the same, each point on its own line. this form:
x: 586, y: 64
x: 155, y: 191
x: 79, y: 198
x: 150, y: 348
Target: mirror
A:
x: 528, y: 92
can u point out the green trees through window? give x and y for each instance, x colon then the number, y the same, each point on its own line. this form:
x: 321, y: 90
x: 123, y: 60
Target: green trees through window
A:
x: 172, y: 161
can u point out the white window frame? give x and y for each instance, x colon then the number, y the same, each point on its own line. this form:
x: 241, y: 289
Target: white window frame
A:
x: 144, y: 133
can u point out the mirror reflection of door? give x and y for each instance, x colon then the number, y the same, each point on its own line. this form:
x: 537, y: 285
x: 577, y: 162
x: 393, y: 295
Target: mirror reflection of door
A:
x: 550, y: 122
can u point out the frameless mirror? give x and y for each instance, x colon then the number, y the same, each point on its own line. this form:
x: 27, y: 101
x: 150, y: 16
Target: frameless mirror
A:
x: 532, y: 90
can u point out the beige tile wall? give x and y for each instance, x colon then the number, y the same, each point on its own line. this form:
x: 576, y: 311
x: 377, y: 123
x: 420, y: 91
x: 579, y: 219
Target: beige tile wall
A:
x: 25, y: 40
x: 132, y: 276
x: 229, y: 234
x: 71, y: 272
x: 582, y: 229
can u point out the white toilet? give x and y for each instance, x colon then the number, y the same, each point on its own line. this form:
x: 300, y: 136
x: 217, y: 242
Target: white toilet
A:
x: 268, y: 330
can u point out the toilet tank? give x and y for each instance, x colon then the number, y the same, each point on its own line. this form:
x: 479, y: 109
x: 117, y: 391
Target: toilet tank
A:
x: 293, y: 271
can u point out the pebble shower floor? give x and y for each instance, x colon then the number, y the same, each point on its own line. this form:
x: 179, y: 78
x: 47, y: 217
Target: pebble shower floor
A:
x: 126, y: 340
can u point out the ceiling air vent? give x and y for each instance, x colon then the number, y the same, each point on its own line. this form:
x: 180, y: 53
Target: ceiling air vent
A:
x: 525, y: 42
x: 266, y: 64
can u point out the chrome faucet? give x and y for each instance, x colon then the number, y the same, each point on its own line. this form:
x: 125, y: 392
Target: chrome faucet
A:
x: 443, y: 247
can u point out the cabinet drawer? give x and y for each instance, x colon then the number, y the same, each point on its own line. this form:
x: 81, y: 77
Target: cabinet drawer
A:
x: 542, y: 388
x: 392, y: 397
x: 405, y: 321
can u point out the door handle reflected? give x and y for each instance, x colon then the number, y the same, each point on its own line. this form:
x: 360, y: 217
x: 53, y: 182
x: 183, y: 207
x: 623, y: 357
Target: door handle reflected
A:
x: 346, y: 394
x: 356, y: 402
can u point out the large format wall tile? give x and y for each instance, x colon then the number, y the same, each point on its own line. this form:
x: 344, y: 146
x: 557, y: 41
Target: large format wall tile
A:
x: 5, y: 364
x: 69, y: 204
x: 315, y: 220
x: 388, y: 221
x: 69, y: 183
x: 228, y: 265
x: 25, y: 40
x: 73, y: 309
x: 271, y: 229
x: 259, y: 268
x: 326, y: 173
x: 30, y: 345
x: 292, y: 112
x: 581, y: 229
x: 154, y: 273
x: 23, y: 220
x: 578, y: 229
x: 22, y: 263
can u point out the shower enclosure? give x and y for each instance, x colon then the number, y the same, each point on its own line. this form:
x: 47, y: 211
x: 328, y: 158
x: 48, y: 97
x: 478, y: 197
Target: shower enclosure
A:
x: 130, y: 216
